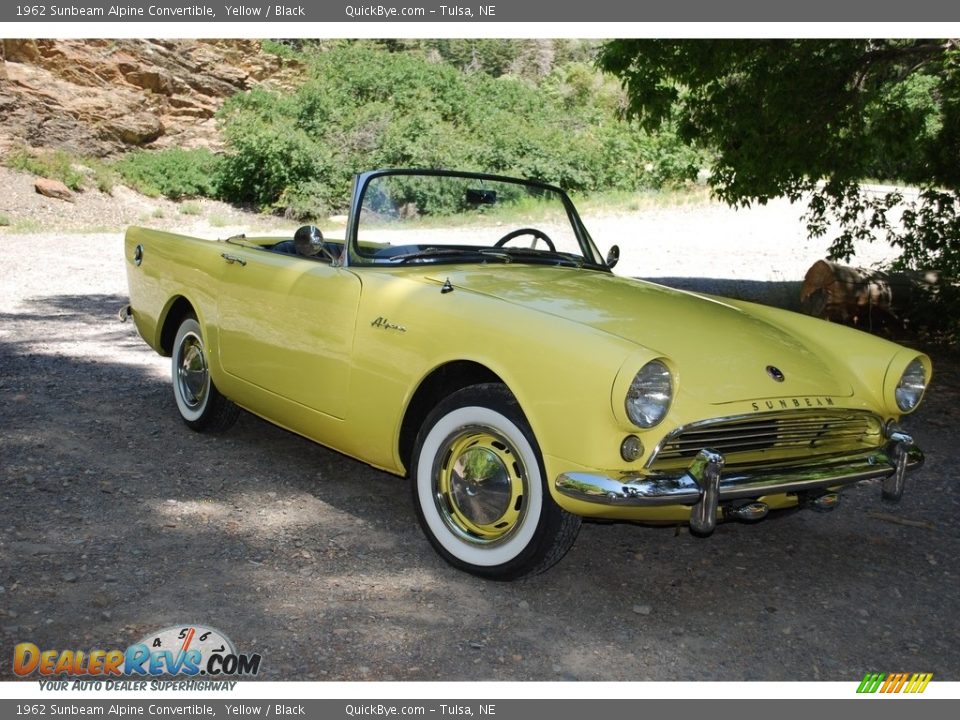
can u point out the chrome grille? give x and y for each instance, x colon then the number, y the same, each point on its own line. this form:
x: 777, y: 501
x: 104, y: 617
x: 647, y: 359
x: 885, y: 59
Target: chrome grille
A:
x: 764, y: 437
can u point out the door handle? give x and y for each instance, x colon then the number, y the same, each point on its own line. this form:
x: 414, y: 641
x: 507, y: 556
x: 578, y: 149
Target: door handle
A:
x: 233, y: 259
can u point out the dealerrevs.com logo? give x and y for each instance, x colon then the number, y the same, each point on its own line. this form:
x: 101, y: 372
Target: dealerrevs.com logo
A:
x: 190, y: 650
x: 888, y: 683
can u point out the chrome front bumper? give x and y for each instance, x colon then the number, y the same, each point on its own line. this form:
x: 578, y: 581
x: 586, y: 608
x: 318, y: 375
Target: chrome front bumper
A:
x: 703, y: 486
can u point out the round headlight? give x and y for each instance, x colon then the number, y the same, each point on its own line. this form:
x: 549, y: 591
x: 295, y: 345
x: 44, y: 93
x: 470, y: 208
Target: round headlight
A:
x: 649, y: 395
x: 911, y: 386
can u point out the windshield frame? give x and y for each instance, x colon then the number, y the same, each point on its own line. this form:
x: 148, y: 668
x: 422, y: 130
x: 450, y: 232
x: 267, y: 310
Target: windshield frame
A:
x: 592, y: 258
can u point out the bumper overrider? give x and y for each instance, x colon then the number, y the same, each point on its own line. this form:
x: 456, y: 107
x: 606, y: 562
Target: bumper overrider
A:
x: 704, y: 486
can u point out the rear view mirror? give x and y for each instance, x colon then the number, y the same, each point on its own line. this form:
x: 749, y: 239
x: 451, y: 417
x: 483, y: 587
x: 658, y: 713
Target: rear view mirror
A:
x: 479, y: 196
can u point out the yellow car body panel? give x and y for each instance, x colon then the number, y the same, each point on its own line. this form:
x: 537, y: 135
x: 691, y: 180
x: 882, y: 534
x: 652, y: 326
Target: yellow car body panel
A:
x: 345, y: 381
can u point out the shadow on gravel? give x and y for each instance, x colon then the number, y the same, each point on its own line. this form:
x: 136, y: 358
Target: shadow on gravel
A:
x: 117, y: 521
x: 52, y: 320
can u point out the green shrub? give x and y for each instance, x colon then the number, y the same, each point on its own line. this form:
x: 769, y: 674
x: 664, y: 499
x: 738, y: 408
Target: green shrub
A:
x: 287, y: 50
x: 269, y: 161
x: 104, y: 176
x: 173, y: 173
x: 363, y: 106
x: 56, y: 165
x: 4, y: 220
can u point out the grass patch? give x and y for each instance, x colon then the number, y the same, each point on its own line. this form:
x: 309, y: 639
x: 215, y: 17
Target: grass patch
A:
x: 28, y: 226
x: 4, y: 220
x: 618, y: 201
x: 103, y: 176
x: 190, y: 208
x: 218, y: 221
x: 56, y: 165
x: 158, y: 214
x: 74, y: 171
x: 94, y: 229
x: 529, y: 211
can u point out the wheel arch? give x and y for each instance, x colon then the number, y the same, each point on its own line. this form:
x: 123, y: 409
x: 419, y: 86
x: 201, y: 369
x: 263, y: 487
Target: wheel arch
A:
x: 178, y: 307
x: 439, y: 383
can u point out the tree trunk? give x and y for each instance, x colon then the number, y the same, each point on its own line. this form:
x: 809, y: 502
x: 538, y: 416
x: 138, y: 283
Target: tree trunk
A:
x: 870, y: 299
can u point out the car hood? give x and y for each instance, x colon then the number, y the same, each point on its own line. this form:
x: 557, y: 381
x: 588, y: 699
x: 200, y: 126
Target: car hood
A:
x: 721, y: 352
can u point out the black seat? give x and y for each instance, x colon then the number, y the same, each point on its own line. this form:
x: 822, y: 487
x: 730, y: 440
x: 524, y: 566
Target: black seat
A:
x: 285, y: 246
x: 288, y: 247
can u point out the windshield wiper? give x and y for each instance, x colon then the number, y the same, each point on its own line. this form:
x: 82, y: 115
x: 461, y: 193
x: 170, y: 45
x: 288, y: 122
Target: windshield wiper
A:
x: 546, y: 256
x: 498, y: 254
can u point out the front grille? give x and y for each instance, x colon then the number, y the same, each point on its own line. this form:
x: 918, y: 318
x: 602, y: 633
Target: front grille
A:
x: 771, y: 437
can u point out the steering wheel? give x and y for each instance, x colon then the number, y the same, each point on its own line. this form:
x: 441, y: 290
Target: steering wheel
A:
x: 537, y: 235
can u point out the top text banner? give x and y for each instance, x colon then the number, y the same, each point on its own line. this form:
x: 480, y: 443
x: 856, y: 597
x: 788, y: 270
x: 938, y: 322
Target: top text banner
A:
x: 467, y: 11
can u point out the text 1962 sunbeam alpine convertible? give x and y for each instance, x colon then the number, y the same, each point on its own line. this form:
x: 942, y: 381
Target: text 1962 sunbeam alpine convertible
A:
x: 465, y: 331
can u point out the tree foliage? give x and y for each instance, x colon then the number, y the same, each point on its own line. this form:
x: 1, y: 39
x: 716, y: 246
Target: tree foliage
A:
x: 813, y: 119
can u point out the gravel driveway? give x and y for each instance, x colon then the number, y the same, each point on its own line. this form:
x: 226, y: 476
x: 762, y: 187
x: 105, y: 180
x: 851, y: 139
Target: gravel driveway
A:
x: 118, y: 521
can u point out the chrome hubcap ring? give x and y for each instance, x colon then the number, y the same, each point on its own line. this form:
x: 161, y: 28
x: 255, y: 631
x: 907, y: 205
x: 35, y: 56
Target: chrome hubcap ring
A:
x: 193, y: 378
x: 479, y: 485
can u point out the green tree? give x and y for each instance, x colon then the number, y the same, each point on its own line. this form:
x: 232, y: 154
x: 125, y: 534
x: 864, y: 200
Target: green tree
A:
x: 811, y: 119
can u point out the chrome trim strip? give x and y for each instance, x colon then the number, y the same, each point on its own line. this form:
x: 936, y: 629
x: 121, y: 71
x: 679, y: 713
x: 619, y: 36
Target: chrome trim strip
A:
x: 893, y: 461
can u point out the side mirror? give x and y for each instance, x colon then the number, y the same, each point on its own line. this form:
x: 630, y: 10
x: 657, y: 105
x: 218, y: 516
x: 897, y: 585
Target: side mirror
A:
x: 613, y: 256
x: 308, y: 241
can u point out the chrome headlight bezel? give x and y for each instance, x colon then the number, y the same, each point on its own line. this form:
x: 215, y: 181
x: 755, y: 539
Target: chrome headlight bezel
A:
x: 649, y: 395
x: 911, y: 386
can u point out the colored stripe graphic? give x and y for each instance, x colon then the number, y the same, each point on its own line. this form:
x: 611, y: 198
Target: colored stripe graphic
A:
x: 871, y: 682
x: 919, y: 682
x: 895, y: 683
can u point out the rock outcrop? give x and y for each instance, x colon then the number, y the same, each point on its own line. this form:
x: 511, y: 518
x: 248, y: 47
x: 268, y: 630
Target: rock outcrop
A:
x: 98, y: 97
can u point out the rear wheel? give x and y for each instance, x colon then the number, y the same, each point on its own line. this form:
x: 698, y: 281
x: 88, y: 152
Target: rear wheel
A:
x: 201, y: 405
x: 479, y: 488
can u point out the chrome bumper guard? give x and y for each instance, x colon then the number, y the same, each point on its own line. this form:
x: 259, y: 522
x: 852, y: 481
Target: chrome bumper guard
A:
x: 704, y: 486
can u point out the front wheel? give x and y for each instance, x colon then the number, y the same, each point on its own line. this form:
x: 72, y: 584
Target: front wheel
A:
x: 479, y: 488
x: 201, y: 405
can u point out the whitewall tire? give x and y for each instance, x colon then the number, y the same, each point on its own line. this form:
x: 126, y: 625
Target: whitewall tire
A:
x: 201, y: 405
x: 479, y: 487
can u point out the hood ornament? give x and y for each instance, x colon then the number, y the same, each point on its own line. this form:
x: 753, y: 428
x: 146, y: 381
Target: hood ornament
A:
x: 775, y: 373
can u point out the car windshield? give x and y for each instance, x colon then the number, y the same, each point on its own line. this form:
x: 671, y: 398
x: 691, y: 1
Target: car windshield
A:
x: 408, y: 218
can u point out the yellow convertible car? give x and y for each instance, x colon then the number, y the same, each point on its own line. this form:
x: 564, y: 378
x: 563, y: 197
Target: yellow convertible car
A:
x: 465, y: 331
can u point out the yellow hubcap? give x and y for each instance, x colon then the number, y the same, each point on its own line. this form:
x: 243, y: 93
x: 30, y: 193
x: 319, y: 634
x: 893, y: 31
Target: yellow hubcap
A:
x: 480, y: 485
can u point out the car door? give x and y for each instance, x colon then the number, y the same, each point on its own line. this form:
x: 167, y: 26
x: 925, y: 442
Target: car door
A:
x: 287, y: 326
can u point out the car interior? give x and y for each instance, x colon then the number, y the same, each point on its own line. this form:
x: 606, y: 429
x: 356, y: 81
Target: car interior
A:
x: 308, y: 242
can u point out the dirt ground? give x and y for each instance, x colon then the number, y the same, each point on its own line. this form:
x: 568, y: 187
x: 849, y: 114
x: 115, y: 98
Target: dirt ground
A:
x: 118, y: 521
